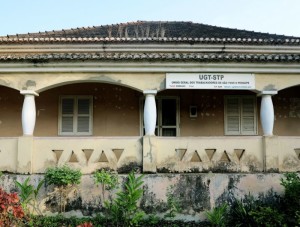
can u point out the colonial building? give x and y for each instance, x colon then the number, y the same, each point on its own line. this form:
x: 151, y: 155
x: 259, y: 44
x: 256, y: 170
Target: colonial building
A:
x: 160, y: 96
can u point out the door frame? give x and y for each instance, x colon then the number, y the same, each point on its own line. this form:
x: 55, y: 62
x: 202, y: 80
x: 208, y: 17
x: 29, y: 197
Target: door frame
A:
x: 158, y: 100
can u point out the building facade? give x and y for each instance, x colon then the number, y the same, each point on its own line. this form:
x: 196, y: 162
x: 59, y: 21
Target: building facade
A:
x: 159, y: 96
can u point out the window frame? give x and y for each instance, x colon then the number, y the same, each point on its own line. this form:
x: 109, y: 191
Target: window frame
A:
x: 240, y: 115
x: 75, y: 115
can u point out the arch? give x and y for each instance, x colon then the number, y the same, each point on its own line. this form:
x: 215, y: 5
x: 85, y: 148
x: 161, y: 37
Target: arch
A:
x: 70, y: 82
x: 113, y: 109
x: 7, y: 85
x: 288, y: 87
x: 287, y: 111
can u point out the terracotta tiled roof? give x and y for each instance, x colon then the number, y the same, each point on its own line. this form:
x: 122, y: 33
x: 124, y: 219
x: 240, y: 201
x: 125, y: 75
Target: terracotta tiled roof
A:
x: 151, y: 30
x: 188, y: 57
x: 225, y: 44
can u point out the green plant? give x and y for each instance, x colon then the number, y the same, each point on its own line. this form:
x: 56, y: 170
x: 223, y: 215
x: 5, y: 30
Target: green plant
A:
x: 218, y: 216
x: 291, y: 184
x: 60, y: 220
x: 124, y: 210
x: 11, y: 211
x: 29, y: 194
x: 239, y: 213
x: 267, y: 216
x: 107, y: 179
x: 173, y: 204
x: 65, y: 179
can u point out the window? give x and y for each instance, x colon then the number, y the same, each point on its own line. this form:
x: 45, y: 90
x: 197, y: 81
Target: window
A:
x: 75, y: 115
x: 167, y: 123
x: 240, y: 115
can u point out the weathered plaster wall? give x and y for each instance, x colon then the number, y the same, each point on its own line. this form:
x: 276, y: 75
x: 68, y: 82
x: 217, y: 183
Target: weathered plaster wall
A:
x: 11, y: 102
x: 203, y: 154
x: 287, y: 112
x: 275, y: 81
x: 195, y: 192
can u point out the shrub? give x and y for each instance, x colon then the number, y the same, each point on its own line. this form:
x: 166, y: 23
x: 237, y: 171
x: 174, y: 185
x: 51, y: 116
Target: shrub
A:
x: 124, y: 210
x: 62, y: 176
x: 11, y: 211
x: 267, y: 216
x: 65, y: 179
x: 239, y: 213
x: 291, y: 184
x: 29, y: 194
x: 107, y: 179
x: 173, y: 204
x: 218, y: 216
x: 59, y: 220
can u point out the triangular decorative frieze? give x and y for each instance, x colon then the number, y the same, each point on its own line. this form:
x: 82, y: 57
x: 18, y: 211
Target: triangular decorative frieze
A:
x: 58, y: 154
x: 196, y: 157
x: 103, y: 157
x: 239, y: 153
x: 88, y: 153
x: 225, y: 157
x: 210, y: 153
x: 73, y: 158
x: 180, y: 153
x: 118, y: 153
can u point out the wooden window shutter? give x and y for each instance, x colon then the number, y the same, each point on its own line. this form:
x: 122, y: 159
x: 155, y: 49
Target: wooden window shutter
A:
x: 240, y: 115
x: 232, y: 116
x: 67, y: 111
x: 83, y: 116
x: 248, y: 118
x: 75, y: 115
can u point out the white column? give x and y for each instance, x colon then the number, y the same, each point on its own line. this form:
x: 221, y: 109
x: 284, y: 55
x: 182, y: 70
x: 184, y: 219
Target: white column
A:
x: 267, y: 112
x: 150, y: 112
x: 28, y: 112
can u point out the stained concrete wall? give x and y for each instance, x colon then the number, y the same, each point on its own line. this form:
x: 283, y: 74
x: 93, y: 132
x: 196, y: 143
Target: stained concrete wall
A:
x: 196, y: 193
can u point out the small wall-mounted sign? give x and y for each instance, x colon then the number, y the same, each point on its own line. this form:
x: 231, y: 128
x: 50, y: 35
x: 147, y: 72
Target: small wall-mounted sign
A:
x: 233, y: 81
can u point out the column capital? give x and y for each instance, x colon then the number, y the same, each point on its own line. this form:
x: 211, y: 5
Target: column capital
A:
x: 29, y: 92
x: 150, y: 92
x: 271, y: 92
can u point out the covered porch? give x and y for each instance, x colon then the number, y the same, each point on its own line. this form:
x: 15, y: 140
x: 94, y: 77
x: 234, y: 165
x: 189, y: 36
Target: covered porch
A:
x: 121, y: 141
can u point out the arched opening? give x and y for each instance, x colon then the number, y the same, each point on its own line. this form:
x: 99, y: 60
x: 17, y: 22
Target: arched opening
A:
x: 287, y: 112
x: 112, y: 110
x: 11, y: 102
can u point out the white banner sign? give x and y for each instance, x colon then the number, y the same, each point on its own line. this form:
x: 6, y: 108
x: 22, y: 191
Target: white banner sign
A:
x: 239, y: 81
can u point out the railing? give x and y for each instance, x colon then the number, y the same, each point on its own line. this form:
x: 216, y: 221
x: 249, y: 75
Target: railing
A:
x: 152, y: 154
x: 88, y: 153
x: 283, y: 153
x: 203, y: 154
